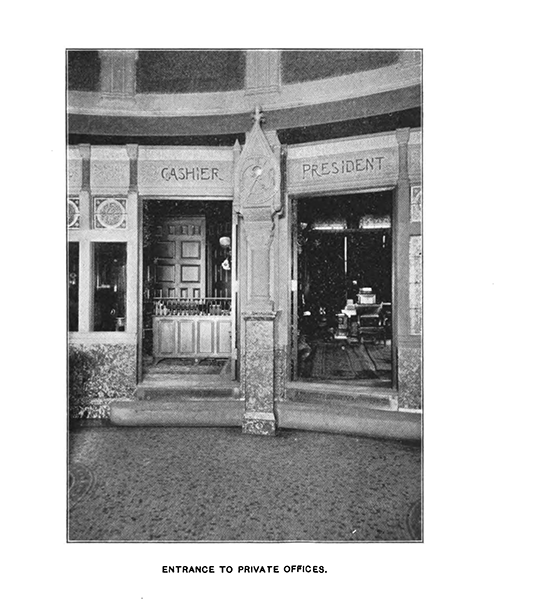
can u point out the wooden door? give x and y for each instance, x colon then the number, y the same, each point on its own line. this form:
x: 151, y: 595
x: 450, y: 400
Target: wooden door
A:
x: 181, y: 258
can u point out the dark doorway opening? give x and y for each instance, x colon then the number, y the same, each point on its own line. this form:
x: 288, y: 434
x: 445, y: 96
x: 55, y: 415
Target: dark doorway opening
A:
x: 187, y: 289
x: 344, y: 291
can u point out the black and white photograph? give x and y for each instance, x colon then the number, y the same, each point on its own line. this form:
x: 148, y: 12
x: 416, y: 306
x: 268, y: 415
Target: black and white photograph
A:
x: 244, y: 234
x: 249, y: 359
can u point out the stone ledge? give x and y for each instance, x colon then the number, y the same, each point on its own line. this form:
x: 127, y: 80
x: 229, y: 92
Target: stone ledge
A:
x: 289, y: 415
x: 349, y: 420
x: 200, y: 413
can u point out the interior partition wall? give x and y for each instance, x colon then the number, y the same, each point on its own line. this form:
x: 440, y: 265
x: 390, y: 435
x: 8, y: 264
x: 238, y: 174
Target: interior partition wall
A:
x: 103, y: 223
x: 108, y: 186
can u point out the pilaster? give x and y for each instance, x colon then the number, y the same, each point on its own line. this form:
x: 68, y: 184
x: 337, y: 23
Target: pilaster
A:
x: 402, y: 223
x: 132, y: 296
x: 407, y: 344
x: 85, y: 289
x: 262, y: 73
x: 118, y: 73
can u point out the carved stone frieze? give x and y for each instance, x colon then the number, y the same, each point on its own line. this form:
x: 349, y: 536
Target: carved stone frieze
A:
x: 73, y: 213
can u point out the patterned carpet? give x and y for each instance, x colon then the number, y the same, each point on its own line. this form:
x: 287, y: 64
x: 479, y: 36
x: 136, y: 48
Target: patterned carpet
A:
x: 203, y: 366
x: 214, y: 484
x: 338, y: 360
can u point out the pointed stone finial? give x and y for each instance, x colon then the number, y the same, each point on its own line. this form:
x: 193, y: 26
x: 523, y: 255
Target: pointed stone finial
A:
x: 258, y: 116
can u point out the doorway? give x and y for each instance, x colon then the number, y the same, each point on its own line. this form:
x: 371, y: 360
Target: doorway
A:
x: 343, y: 304
x: 188, y: 316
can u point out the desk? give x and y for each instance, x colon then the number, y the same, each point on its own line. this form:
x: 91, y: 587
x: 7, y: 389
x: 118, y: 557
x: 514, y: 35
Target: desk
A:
x: 368, y: 321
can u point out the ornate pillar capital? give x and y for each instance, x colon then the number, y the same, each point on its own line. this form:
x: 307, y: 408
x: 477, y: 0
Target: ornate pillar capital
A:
x: 402, y: 135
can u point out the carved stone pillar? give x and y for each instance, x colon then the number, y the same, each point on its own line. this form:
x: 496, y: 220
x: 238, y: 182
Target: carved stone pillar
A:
x: 257, y: 189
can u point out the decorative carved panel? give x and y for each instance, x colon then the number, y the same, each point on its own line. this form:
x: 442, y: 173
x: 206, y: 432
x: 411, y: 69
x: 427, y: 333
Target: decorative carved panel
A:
x: 73, y: 213
x: 415, y: 155
x: 74, y: 174
x: 416, y: 203
x: 110, y: 176
x: 109, y: 213
x: 258, y: 173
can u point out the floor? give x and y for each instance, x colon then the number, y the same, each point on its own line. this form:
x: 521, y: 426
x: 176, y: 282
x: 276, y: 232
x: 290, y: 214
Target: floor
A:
x: 217, y: 484
x: 343, y: 360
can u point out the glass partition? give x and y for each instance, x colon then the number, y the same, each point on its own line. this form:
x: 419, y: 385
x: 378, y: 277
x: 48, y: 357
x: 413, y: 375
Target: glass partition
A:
x: 73, y: 269
x: 109, y: 271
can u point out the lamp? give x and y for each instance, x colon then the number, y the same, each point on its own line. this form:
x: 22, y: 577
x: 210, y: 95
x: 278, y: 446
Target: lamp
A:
x: 224, y: 242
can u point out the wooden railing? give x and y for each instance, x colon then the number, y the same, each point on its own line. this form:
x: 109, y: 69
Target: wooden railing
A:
x: 191, y: 306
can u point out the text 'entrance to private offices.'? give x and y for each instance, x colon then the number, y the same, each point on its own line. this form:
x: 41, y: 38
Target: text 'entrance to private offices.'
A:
x: 343, y: 251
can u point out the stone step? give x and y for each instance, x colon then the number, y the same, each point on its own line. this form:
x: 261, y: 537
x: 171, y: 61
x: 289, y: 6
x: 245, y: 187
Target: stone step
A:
x: 363, y: 396
x: 329, y: 418
x: 198, y: 413
x: 349, y: 419
x: 187, y: 389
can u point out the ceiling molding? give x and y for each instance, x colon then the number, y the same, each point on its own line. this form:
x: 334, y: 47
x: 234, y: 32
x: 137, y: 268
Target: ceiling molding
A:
x: 279, y: 119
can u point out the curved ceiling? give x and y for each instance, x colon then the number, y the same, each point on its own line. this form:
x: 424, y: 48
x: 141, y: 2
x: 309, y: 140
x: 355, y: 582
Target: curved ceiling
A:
x: 200, y: 71
x: 380, y: 83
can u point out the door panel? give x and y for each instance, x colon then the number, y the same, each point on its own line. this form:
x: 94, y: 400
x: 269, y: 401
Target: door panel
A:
x: 181, y: 258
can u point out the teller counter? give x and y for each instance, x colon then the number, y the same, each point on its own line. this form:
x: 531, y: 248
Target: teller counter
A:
x: 198, y: 329
x: 196, y: 336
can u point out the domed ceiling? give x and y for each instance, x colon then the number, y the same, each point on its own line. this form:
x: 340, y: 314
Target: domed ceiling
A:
x: 197, y: 71
x: 121, y: 96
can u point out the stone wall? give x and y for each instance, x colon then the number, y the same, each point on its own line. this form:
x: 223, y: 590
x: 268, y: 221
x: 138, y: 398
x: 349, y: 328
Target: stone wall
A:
x: 99, y: 373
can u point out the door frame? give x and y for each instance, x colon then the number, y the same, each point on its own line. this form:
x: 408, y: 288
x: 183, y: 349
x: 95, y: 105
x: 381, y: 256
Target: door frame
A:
x: 141, y: 277
x: 293, y: 303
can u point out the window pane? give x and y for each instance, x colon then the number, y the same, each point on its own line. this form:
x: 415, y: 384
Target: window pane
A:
x: 110, y: 286
x: 73, y: 267
x: 83, y: 70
